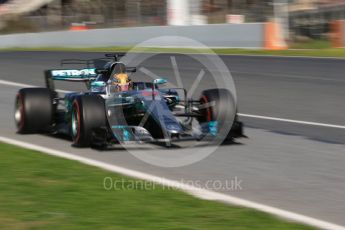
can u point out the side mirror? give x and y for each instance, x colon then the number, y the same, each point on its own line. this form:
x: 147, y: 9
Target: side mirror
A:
x: 159, y: 81
x: 98, y: 84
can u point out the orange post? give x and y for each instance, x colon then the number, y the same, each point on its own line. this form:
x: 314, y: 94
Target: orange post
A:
x: 273, y: 37
x: 78, y: 27
x: 338, y: 33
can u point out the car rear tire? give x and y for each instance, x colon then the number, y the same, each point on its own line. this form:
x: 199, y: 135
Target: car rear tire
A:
x: 88, y: 114
x: 34, y: 110
x: 218, y: 105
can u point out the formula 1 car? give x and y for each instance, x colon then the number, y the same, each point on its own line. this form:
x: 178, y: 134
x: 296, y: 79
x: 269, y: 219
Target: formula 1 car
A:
x: 115, y: 110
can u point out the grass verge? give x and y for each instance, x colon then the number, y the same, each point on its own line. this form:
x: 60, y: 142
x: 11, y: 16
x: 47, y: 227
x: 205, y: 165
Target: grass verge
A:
x: 312, y: 44
x: 297, y: 50
x: 44, y: 192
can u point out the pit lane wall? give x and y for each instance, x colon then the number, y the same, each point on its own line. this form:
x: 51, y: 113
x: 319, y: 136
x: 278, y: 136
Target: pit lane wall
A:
x: 247, y: 35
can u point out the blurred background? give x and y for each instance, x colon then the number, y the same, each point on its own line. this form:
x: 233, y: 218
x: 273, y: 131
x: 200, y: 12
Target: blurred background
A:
x: 301, y: 19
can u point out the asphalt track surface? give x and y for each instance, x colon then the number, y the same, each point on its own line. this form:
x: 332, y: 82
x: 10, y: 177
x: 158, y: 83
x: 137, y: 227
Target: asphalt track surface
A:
x: 296, y: 167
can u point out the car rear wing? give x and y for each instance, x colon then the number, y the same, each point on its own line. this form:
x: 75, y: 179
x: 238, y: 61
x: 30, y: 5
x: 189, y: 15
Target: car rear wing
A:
x: 75, y: 75
x: 92, y: 67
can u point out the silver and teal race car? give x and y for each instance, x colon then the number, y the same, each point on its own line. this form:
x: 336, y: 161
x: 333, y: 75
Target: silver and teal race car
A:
x: 107, y: 114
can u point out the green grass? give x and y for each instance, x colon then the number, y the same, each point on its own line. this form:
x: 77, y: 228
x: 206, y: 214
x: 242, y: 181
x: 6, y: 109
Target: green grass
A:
x: 312, y: 44
x: 39, y: 191
x: 312, y: 49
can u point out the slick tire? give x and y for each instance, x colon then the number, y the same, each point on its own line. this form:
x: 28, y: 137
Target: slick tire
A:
x: 88, y: 114
x: 218, y: 105
x: 34, y: 110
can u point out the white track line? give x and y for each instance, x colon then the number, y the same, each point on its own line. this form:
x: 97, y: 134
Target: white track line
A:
x: 292, y: 121
x: 197, y: 192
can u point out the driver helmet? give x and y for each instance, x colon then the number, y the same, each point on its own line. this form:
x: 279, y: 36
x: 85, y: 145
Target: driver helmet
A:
x: 122, y: 82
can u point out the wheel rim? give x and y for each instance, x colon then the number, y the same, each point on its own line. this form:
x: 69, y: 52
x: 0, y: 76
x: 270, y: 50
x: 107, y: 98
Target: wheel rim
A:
x: 208, y: 113
x: 18, y: 113
x: 75, y: 124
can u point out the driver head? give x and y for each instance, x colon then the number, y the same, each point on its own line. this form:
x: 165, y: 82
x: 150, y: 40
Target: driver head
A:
x: 123, y: 82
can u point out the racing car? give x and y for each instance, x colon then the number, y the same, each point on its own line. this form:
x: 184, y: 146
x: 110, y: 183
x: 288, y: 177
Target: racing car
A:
x: 114, y: 109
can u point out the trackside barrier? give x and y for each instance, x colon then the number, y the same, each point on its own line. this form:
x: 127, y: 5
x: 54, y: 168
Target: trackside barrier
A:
x: 338, y: 34
x: 244, y: 36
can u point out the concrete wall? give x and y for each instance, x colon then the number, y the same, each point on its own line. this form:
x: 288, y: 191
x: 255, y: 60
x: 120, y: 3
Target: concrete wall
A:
x: 249, y: 35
